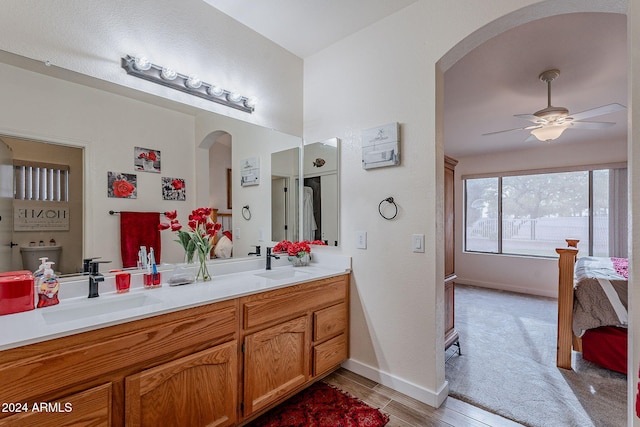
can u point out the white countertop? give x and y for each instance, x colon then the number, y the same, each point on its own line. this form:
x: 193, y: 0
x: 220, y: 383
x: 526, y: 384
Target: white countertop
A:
x: 76, y: 313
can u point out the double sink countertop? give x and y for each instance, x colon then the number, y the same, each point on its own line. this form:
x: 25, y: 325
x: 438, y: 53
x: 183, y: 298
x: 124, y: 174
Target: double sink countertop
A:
x: 77, y: 313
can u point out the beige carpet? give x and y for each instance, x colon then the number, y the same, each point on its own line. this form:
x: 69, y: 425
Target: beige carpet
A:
x: 508, y: 367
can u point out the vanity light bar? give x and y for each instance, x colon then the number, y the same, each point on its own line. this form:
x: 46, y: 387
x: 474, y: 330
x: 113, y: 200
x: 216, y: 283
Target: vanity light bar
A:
x: 140, y: 67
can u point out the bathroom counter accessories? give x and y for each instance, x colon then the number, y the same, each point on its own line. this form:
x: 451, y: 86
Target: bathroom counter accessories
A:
x: 76, y: 313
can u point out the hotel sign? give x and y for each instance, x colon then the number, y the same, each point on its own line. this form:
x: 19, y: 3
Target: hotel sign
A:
x: 40, y: 216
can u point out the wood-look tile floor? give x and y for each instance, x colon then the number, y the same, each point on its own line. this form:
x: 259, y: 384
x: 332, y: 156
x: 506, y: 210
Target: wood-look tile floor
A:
x: 405, y: 411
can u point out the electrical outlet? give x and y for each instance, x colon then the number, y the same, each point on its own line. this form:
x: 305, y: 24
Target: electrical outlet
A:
x: 361, y: 239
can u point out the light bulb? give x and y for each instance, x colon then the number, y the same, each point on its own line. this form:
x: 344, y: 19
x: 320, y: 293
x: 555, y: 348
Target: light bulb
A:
x: 234, y: 97
x: 168, y: 73
x: 193, y: 82
x: 215, y: 90
x: 141, y: 63
x: 251, y: 102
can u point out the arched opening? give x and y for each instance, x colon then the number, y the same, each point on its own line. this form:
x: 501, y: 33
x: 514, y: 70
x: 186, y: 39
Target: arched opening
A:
x: 486, y: 34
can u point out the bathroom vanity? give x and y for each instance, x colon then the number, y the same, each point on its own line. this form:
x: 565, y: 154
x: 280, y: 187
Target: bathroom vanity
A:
x: 220, y: 361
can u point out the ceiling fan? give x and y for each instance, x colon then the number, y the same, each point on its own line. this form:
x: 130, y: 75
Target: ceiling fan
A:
x: 551, y: 122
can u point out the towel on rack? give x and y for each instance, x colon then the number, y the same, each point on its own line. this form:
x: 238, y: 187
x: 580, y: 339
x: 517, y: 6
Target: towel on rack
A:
x: 138, y: 229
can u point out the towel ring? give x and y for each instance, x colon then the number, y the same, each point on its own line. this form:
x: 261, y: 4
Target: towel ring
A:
x: 388, y: 200
x: 246, y: 213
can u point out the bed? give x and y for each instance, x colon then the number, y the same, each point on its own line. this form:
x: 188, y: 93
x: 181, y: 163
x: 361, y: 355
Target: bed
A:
x: 592, y: 309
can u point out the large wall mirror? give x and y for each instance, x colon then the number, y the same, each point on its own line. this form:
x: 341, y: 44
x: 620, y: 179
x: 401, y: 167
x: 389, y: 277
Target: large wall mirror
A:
x: 306, y: 208
x: 104, y: 128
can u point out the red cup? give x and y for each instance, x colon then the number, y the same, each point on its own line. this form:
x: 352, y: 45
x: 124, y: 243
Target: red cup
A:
x: 123, y: 281
x: 152, y: 280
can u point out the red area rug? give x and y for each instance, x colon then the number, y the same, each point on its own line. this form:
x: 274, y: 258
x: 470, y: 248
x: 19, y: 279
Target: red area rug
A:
x: 321, y: 405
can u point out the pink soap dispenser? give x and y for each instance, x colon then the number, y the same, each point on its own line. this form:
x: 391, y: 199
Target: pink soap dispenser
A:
x: 48, y: 286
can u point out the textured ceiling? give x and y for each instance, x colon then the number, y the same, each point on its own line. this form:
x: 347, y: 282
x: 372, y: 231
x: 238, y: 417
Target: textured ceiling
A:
x: 498, y: 79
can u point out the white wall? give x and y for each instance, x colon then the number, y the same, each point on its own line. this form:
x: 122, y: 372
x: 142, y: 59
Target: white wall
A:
x: 633, y: 32
x: 90, y: 36
x: 532, y: 275
x: 392, y: 71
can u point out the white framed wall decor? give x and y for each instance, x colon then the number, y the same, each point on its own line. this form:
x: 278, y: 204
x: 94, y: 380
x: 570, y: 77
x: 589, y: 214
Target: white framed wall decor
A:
x: 381, y: 146
x: 250, y: 171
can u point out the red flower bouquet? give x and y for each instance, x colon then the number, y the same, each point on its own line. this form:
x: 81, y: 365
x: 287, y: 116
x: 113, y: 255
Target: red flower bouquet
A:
x: 198, y: 239
x: 299, y: 252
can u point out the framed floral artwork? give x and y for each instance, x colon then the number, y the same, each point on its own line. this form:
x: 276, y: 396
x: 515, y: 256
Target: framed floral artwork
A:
x: 122, y: 185
x: 173, y: 189
x: 146, y: 160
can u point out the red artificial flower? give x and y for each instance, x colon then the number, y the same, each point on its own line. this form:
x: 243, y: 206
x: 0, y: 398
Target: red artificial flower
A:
x: 163, y: 226
x: 171, y: 215
x: 177, y: 184
x: 122, y: 188
x: 175, y: 226
x: 318, y: 242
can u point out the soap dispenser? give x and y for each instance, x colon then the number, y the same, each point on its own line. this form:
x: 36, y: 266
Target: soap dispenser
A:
x: 40, y: 271
x: 48, y: 286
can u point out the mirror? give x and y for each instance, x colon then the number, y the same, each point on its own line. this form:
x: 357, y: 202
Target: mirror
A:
x: 317, y: 211
x: 106, y: 127
x: 285, y: 169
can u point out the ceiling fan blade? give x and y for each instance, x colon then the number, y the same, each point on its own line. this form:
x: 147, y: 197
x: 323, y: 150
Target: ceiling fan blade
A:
x: 511, y: 130
x: 599, y: 111
x: 530, y: 117
x: 532, y: 138
x: 591, y: 125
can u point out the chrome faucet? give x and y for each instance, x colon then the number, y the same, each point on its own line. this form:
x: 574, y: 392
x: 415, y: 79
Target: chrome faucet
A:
x: 269, y: 256
x: 257, y: 252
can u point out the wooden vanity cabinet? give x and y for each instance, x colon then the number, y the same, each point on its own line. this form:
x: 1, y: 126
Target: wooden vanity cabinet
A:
x: 292, y: 336
x: 90, y: 369
x: 220, y: 364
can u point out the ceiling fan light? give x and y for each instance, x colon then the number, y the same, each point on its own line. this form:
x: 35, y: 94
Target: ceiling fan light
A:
x: 549, y: 133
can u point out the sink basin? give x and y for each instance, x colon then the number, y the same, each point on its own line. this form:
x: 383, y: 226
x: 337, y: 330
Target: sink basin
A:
x: 283, y: 273
x: 95, y: 306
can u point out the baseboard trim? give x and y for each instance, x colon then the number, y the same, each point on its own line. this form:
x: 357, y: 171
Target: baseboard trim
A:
x: 506, y: 287
x: 430, y: 397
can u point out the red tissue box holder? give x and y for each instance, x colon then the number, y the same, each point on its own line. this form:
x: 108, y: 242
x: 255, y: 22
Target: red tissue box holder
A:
x: 16, y: 292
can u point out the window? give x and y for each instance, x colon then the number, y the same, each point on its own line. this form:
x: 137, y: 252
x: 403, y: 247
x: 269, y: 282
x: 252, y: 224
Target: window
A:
x: 533, y: 213
x: 36, y: 181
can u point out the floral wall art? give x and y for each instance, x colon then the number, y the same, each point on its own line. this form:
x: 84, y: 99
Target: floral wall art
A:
x: 173, y: 189
x: 146, y: 160
x: 122, y: 185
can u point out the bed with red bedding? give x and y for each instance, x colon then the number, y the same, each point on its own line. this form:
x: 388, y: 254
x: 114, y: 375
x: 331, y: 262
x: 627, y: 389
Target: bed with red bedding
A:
x: 592, y: 309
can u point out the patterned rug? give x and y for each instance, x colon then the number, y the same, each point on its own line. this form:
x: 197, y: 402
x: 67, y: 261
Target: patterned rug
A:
x: 322, y: 405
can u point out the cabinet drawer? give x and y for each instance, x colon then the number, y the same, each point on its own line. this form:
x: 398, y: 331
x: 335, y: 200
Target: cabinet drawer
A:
x: 329, y: 354
x: 25, y: 378
x: 329, y: 321
x: 289, y: 302
x: 90, y: 407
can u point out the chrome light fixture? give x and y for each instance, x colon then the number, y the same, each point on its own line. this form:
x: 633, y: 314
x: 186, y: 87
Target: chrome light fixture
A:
x: 139, y: 66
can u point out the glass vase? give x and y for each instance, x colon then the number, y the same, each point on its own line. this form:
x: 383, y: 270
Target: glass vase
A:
x: 300, y: 261
x: 203, y: 271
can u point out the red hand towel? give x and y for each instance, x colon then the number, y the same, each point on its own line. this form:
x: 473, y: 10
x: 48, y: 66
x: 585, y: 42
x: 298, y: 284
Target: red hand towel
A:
x: 138, y: 229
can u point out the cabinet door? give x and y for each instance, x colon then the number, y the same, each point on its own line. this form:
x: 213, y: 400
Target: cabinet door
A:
x: 91, y: 407
x: 195, y: 390
x: 449, y: 218
x: 276, y: 361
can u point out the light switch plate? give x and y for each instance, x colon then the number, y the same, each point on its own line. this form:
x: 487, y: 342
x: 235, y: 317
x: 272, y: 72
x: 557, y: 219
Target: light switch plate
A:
x: 361, y: 239
x: 236, y: 233
x: 417, y: 243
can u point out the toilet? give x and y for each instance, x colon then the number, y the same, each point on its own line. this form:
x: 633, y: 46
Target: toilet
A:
x: 31, y: 256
